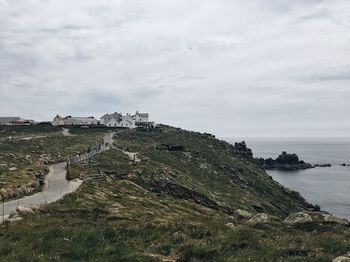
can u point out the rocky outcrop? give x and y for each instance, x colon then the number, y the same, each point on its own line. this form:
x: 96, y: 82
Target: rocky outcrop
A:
x: 242, y: 149
x: 241, y: 215
x: 24, y: 210
x: 285, y: 162
x: 298, y: 218
x: 4, y: 193
x: 343, y: 258
x: 332, y: 219
x: 230, y: 226
x: 16, y: 215
x: 322, y: 165
x: 14, y: 192
x: 260, y: 218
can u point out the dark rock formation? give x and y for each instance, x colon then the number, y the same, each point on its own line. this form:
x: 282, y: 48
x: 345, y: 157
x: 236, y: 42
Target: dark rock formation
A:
x: 285, y: 162
x: 323, y: 165
x: 242, y: 149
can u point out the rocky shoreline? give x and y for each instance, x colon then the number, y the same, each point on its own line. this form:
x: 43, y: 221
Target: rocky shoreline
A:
x: 284, y: 162
x: 287, y: 162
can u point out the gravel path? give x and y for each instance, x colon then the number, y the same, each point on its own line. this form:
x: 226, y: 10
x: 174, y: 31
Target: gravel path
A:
x: 56, y: 184
x: 57, y: 187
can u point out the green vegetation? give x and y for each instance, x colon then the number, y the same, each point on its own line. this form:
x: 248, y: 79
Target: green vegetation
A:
x: 171, y: 206
x: 24, y: 149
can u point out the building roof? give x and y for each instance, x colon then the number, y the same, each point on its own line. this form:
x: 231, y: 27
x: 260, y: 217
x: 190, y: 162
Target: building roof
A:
x: 80, y: 118
x: 9, y: 119
x: 114, y: 115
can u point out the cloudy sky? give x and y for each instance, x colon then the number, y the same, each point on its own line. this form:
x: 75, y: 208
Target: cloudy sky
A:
x: 235, y: 68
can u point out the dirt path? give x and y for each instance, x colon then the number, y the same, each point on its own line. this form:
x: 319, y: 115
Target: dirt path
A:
x: 132, y: 155
x: 65, y: 132
x: 57, y: 187
x: 56, y: 184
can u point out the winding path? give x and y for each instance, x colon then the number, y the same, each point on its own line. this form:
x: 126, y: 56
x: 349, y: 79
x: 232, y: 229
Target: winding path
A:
x: 56, y: 185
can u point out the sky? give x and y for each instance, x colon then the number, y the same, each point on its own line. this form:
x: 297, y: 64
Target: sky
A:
x: 234, y: 68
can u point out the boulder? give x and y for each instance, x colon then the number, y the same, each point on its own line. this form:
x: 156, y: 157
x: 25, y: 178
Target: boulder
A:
x: 14, y: 213
x: 24, y: 210
x: 35, y: 207
x: 298, y: 218
x: 241, y: 215
x: 343, y: 258
x: 332, y: 219
x: 260, y: 218
x: 286, y: 158
x: 10, y: 192
x: 243, y: 150
x: 15, y: 192
x: 20, y: 192
x: 13, y: 168
x: 14, y: 219
x: 230, y: 226
x: 24, y: 189
x: 35, y: 184
x: 4, y: 193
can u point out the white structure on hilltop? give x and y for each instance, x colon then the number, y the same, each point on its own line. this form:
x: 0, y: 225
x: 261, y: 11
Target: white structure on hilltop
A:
x: 128, y: 120
x: 117, y: 120
x: 74, y: 121
x: 141, y: 118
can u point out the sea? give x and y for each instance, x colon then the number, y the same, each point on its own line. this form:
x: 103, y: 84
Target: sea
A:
x: 328, y: 187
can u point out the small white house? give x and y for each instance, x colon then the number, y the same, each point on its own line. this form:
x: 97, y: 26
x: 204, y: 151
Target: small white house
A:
x: 118, y: 120
x: 141, y: 118
x: 74, y: 121
x: 128, y: 120
x: 111, y: 119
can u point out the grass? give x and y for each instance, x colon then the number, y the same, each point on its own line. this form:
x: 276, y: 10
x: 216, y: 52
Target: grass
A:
x: 26, y: 154
x: 127, y: 211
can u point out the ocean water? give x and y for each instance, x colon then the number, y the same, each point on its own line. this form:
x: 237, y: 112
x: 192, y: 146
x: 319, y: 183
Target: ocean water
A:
x: 328, y: 187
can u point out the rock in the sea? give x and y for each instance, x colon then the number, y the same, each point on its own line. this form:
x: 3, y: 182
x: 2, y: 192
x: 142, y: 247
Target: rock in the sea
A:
x: 323, y: 165
x: 285, y: 161
x: 285, y: 158
x: 260, y: 218
x: 298, y: 218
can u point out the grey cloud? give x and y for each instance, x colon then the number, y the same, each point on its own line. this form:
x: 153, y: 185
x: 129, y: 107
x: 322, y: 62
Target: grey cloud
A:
x: 229, y: 67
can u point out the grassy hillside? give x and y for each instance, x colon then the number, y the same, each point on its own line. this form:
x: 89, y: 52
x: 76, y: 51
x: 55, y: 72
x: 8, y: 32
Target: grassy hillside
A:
x: 31, y: 148
x: 171, y: 206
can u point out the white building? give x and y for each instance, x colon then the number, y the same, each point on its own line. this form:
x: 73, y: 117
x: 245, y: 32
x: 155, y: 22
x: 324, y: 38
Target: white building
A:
x: 118, y: 120
x: 74, y: 121
x: 128, y: 120
x: 140, y: 118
